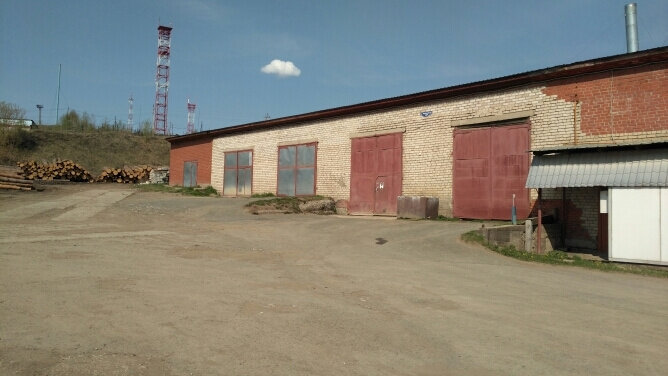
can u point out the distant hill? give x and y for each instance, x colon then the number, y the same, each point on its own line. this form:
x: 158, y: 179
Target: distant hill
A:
x: 93, y: 149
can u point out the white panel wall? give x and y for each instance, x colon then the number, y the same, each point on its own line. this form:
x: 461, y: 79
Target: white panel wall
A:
x: 664, y: 225
x: 636, y: 232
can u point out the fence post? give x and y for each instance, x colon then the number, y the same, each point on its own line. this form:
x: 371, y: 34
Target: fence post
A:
x: 528, y: 235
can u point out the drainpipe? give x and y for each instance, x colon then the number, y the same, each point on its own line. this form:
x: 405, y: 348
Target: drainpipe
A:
x: 631, y: 28
x: 540, y: 223
x: 575, y: 121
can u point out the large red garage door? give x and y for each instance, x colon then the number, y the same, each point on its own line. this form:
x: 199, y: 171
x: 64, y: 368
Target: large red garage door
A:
x: 490, y: 165
x: 375, y: 177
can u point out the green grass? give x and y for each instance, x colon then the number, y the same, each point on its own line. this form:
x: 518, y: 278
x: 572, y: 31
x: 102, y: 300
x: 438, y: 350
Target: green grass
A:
x: 443, y: 218
x: 564, y: 258
x: 262, y: 195
x: 446, y: 219
x: 189, y: 191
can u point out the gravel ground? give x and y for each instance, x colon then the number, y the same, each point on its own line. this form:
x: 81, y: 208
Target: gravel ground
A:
x: 99, y: 279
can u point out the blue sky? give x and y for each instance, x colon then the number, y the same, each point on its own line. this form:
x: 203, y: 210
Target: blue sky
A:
x: 347, y: 52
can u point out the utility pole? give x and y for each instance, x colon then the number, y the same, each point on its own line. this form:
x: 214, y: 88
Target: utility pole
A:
x: 40, y: 107
x: 60, y: 66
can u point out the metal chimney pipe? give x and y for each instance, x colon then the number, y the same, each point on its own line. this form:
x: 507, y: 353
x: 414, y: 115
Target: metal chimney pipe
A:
x: 631, y: 28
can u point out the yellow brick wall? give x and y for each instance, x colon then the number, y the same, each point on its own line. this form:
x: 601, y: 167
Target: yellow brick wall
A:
x: 427, y: 142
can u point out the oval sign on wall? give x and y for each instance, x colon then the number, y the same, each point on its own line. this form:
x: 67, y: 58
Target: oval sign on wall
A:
x: 425, y: 113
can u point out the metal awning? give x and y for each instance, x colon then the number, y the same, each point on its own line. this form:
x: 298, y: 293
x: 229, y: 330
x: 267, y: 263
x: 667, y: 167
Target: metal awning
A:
x: 622, y: 145
x: 624, y: 168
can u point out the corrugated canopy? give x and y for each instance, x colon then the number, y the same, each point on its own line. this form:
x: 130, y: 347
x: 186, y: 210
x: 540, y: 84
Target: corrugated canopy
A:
x: 629, y: 168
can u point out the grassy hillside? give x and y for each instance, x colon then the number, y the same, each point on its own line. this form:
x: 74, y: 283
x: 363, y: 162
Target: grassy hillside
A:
x: 94, y: 149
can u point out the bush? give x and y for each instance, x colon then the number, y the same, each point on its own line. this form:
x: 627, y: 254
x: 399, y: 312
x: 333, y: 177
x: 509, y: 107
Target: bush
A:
x: 18, y: 138
x: 72, y: 121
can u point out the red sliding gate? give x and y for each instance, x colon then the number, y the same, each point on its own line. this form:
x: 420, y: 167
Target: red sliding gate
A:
x: 490, y: 165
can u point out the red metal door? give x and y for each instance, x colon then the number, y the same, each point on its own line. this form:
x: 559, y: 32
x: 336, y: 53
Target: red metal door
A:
x: 510, y: 168
x: 376, y: 174
x: 363, y: 177
x: 471, y: 175
x: 490, y: 165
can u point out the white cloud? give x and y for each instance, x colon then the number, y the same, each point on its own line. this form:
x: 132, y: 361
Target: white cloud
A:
x: 281, y: 68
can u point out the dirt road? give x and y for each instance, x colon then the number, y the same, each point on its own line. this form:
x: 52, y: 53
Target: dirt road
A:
x: 98, y: 279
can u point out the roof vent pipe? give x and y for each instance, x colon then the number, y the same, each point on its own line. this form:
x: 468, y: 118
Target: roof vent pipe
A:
x: 631, y: 28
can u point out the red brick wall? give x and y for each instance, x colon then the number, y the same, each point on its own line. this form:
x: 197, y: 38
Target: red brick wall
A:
x: 197, y: 150
x: 574, y: 221
x: 621, y: 101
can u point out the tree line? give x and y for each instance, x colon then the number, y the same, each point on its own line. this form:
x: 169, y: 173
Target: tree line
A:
x: 74, y: 122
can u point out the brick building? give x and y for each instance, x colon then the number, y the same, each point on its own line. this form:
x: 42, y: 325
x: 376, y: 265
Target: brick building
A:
x: 190, y: 162
x: 471, y: 145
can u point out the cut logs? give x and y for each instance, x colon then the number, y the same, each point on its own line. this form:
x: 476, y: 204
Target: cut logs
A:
x: 71, y: 171
x: 125, y: 175
x: 60, y: 169
x: 13, y: 178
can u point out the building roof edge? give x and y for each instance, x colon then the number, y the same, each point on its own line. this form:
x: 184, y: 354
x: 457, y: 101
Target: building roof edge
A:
x: 627, y: 60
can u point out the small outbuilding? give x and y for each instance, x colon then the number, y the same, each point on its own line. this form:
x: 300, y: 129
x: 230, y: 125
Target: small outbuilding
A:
x: 190, y: 162
x: 619, y: 192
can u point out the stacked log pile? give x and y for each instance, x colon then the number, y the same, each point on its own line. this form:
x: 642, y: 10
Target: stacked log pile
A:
x: 125, y: 175
x: 13, y: 178
x: 71, y: 171
x: 64, y: 170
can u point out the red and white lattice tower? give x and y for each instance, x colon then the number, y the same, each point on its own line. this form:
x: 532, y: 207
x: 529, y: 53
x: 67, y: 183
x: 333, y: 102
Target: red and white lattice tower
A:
x: 131, y: 101
x: 191, y: 117
x: 162, y: 80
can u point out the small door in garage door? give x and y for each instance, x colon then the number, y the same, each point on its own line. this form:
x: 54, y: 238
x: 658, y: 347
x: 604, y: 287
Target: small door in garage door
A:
x: 383, y: 199
x: 491, y: 165
x: 376, y: 173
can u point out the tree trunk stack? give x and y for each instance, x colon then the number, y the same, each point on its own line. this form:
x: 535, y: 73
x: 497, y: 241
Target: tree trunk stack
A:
x: 63, y: 170
x: 125, y: 175
x: 13, y: 178
x: 22, y: 176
